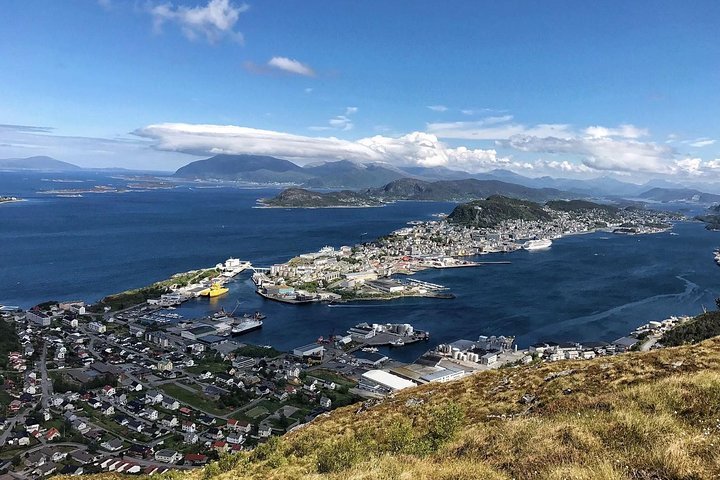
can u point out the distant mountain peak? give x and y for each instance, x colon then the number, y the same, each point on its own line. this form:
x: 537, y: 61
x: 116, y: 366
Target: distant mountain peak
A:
x: 39, y: 162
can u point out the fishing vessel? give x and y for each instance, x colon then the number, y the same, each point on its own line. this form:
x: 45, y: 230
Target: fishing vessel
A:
x: 537, y: 244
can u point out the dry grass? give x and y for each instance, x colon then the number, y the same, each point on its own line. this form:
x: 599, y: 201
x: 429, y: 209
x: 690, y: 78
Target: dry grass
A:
x: 641, y: 416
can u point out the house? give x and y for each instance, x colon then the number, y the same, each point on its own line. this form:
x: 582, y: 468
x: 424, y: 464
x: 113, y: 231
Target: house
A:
x: 207, y: 375
x: 46, y: 469
x: 151, y: 414
x: 191, y: 438
x: 32, y: 427
x: 136, y: 425
x: 23, y: 439
x: 168, y: 456
x: 82, y: 457
x: 107, y: 409
x: 112, y: 445
x: 108, y: 390
x: 170, y: 403
x: 188, y: 426
x: 170, y: 422
x: 52, y: 434
x: 239, y: 425
x: 220, y: 446
x: 35, y: 459
x: 153, y: 396
x: 97, y: 327
x: 94, y: 403
x: 215, y: 434
x: 143, y: 451
x: 235, y: 438
x: 325, y: 402
x: 195, y: 459
x: 79, y: 425
x: 264, y: 430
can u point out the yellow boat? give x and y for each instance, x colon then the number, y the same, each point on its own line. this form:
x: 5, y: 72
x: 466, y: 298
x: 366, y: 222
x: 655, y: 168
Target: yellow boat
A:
x: 215, y: 290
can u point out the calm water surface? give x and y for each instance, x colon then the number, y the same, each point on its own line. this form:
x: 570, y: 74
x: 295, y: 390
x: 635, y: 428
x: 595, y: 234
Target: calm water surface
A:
x: 588, y: 287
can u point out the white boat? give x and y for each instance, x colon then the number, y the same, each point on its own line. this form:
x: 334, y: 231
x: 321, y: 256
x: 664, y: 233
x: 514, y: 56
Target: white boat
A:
x: 246, y: 325
x: 537, y: 244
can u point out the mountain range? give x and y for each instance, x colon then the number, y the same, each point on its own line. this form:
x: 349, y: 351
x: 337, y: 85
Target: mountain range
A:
x: 345, y: 174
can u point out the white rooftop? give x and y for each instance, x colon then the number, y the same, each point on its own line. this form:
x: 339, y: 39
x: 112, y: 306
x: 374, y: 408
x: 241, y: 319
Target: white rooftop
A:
x: 388, y: 380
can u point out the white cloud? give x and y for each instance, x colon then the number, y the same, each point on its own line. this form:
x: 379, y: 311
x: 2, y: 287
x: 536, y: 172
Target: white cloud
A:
x: 438, y: 108
x: 623, y: 131
x: 602, y: 153
x: 214, y: 21
x: 416, y: 148
x: 338, y: 122
x: 341, y: 122
x: 495, y: 128
x: 291, y: 65
x: 701, y: 142
x: 308, y: 90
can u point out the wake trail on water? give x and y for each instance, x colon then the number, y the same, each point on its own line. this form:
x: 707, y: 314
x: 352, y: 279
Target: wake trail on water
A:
x: 692, y: 294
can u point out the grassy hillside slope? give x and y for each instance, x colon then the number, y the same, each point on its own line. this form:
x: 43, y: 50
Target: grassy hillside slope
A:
x: 653, y: 415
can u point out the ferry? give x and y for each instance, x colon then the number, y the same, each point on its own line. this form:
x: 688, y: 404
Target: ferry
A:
x: 537, y: 244
x: 246, y: 325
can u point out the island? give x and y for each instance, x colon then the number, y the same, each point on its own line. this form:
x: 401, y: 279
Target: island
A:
x: 712, y: 219
x: 369, y: 271
x: 302, y: 198
x: 410, y: 189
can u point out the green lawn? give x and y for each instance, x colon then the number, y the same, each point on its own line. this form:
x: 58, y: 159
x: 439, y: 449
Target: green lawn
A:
x: 193, y: 399
x: 330, y: 376
x: 256, y: 412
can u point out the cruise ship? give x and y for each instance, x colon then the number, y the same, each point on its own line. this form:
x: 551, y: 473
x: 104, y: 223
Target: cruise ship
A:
x: 537, y: 244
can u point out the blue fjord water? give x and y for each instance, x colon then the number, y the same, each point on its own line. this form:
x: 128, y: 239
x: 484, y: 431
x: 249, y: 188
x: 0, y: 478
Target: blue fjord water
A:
x: 587, y: 287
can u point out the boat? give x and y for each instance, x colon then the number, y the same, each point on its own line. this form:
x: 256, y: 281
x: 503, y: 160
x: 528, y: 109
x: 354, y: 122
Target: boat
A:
x: 717, y: 256
x: 215, y: 290
x: 537, y: 244
x: 246, y: 325
x: 397, y: 343
x: 370, y: 349
x: 256, y: 316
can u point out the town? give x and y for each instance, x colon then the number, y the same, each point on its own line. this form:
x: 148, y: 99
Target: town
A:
x: 122, y: 392
x: 128, y: 385
x: 364, y: 272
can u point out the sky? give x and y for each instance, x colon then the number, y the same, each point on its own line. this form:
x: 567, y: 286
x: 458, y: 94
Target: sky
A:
x: 559, y: 88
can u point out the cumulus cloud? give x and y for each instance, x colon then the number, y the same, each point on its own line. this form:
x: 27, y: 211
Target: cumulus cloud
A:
x: 416, y: 148
x: 290, y: 65
x: 601, y: 153
x: 214, y: 21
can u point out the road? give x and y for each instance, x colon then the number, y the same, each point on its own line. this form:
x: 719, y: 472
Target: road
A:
x: 649, y: 342
x: 44, y: 379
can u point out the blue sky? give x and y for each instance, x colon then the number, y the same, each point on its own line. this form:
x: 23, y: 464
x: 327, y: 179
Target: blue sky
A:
x: 563, y: 88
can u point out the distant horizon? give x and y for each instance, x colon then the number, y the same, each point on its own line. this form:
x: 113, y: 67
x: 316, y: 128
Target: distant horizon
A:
x: 678, y: 184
